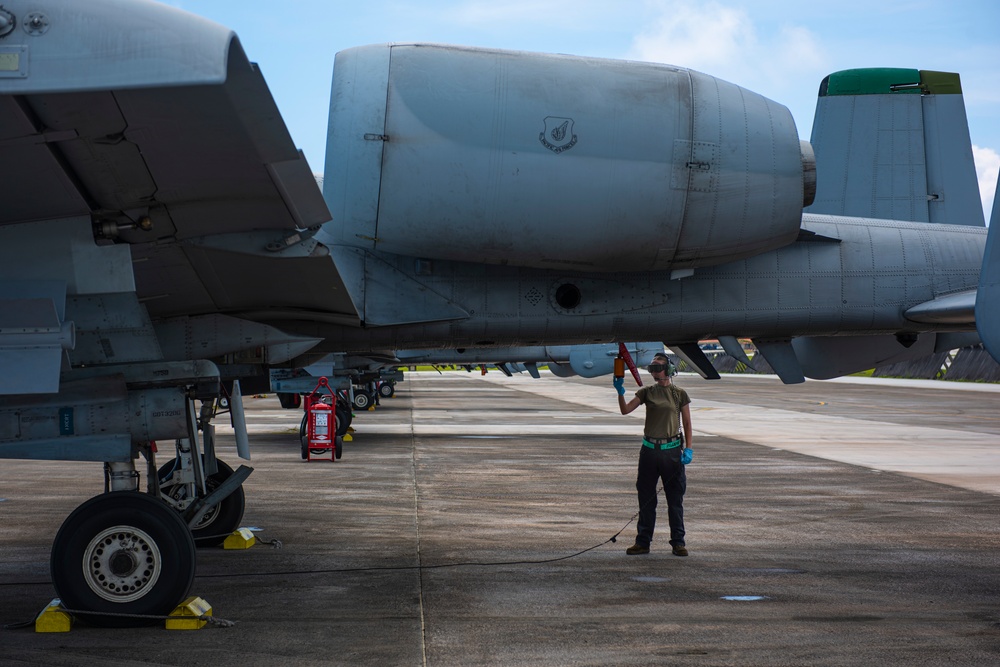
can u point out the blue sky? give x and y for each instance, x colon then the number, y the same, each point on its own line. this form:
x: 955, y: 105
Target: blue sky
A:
x: 781, y: 49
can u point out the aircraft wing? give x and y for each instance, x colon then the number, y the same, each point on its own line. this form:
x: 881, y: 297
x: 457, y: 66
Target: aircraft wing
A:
x: 178, y: 151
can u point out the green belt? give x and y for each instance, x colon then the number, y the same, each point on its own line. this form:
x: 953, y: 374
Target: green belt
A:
x: 672, y: 444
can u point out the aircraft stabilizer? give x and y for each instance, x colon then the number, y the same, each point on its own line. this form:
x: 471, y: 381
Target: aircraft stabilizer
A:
x: 988, y: 294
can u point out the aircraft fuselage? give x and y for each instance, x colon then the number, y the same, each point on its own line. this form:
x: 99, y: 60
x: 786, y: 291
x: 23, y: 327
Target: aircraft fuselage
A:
x: 853, y: 277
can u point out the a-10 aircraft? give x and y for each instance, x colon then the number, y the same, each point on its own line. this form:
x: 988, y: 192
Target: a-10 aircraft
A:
x: 160, y: 234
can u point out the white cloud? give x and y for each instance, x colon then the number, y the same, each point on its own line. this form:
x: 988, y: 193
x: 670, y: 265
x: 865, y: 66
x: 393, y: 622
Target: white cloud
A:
x: 768, y: 55
x: 797, y: 48
x: 725, y: 41
x: 987, y: 170
x: 702, y: 37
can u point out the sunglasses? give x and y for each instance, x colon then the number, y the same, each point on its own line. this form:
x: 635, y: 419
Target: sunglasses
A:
x: 656, y: 368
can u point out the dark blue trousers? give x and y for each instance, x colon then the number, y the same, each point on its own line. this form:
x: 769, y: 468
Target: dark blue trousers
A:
x: 656, y: 465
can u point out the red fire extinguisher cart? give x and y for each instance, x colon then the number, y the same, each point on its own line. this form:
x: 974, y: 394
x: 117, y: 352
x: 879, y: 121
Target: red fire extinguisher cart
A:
x: 321, y: 425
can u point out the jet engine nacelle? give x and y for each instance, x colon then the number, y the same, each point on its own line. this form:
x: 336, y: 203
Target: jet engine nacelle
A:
x: 548, y: 161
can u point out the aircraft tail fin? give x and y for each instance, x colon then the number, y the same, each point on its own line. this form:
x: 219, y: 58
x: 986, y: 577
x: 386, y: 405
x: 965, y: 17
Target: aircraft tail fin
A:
x: 988, y: 294
x: 894, y: 144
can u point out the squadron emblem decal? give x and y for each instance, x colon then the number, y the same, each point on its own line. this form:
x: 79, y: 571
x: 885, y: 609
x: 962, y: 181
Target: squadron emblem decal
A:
x: 558, y: 134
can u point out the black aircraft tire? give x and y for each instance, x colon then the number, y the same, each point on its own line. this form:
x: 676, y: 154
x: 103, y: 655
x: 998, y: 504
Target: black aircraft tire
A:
x: 304, y: 441
x: 344, y: 417
x: 362, y: 400
x: 123, y: 552
x: 302, y: 438
x: 386, y: 390
x: 221, y: 520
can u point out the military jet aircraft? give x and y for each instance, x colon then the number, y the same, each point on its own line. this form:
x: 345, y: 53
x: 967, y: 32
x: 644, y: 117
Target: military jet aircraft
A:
x: 158, y: 219
x: 682, y: 216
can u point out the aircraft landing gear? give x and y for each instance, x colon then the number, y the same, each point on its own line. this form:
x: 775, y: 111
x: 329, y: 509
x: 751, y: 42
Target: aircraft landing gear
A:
x: 222, y: 519
x: 363, y: 399
x: 124, y: 555
x: 201, y: 488
x: 123, y: 552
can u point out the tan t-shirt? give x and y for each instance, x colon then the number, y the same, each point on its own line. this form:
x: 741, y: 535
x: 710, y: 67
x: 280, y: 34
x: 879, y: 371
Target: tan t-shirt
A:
x: 663, y: 409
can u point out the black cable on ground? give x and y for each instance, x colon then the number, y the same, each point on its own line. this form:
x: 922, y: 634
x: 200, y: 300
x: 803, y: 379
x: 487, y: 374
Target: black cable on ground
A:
x: 612, y: 539
x: 387, y: 568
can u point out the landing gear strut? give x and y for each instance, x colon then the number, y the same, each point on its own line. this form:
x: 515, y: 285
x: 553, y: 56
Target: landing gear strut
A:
x: 220, y: 520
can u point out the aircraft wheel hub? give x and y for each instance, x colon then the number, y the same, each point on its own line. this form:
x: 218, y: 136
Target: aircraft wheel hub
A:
x: 122, y: 563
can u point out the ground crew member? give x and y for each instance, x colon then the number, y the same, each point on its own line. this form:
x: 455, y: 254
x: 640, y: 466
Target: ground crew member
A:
x: 665, y: 450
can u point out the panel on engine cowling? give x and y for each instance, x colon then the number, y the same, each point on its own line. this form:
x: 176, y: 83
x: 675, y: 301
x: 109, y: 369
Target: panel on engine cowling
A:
x: 556, y: 161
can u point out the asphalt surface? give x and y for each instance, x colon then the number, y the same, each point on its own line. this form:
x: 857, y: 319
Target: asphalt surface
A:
x: 854, y: 523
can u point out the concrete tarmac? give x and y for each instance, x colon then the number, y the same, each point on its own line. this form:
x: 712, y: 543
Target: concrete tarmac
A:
x: 831, y: 523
